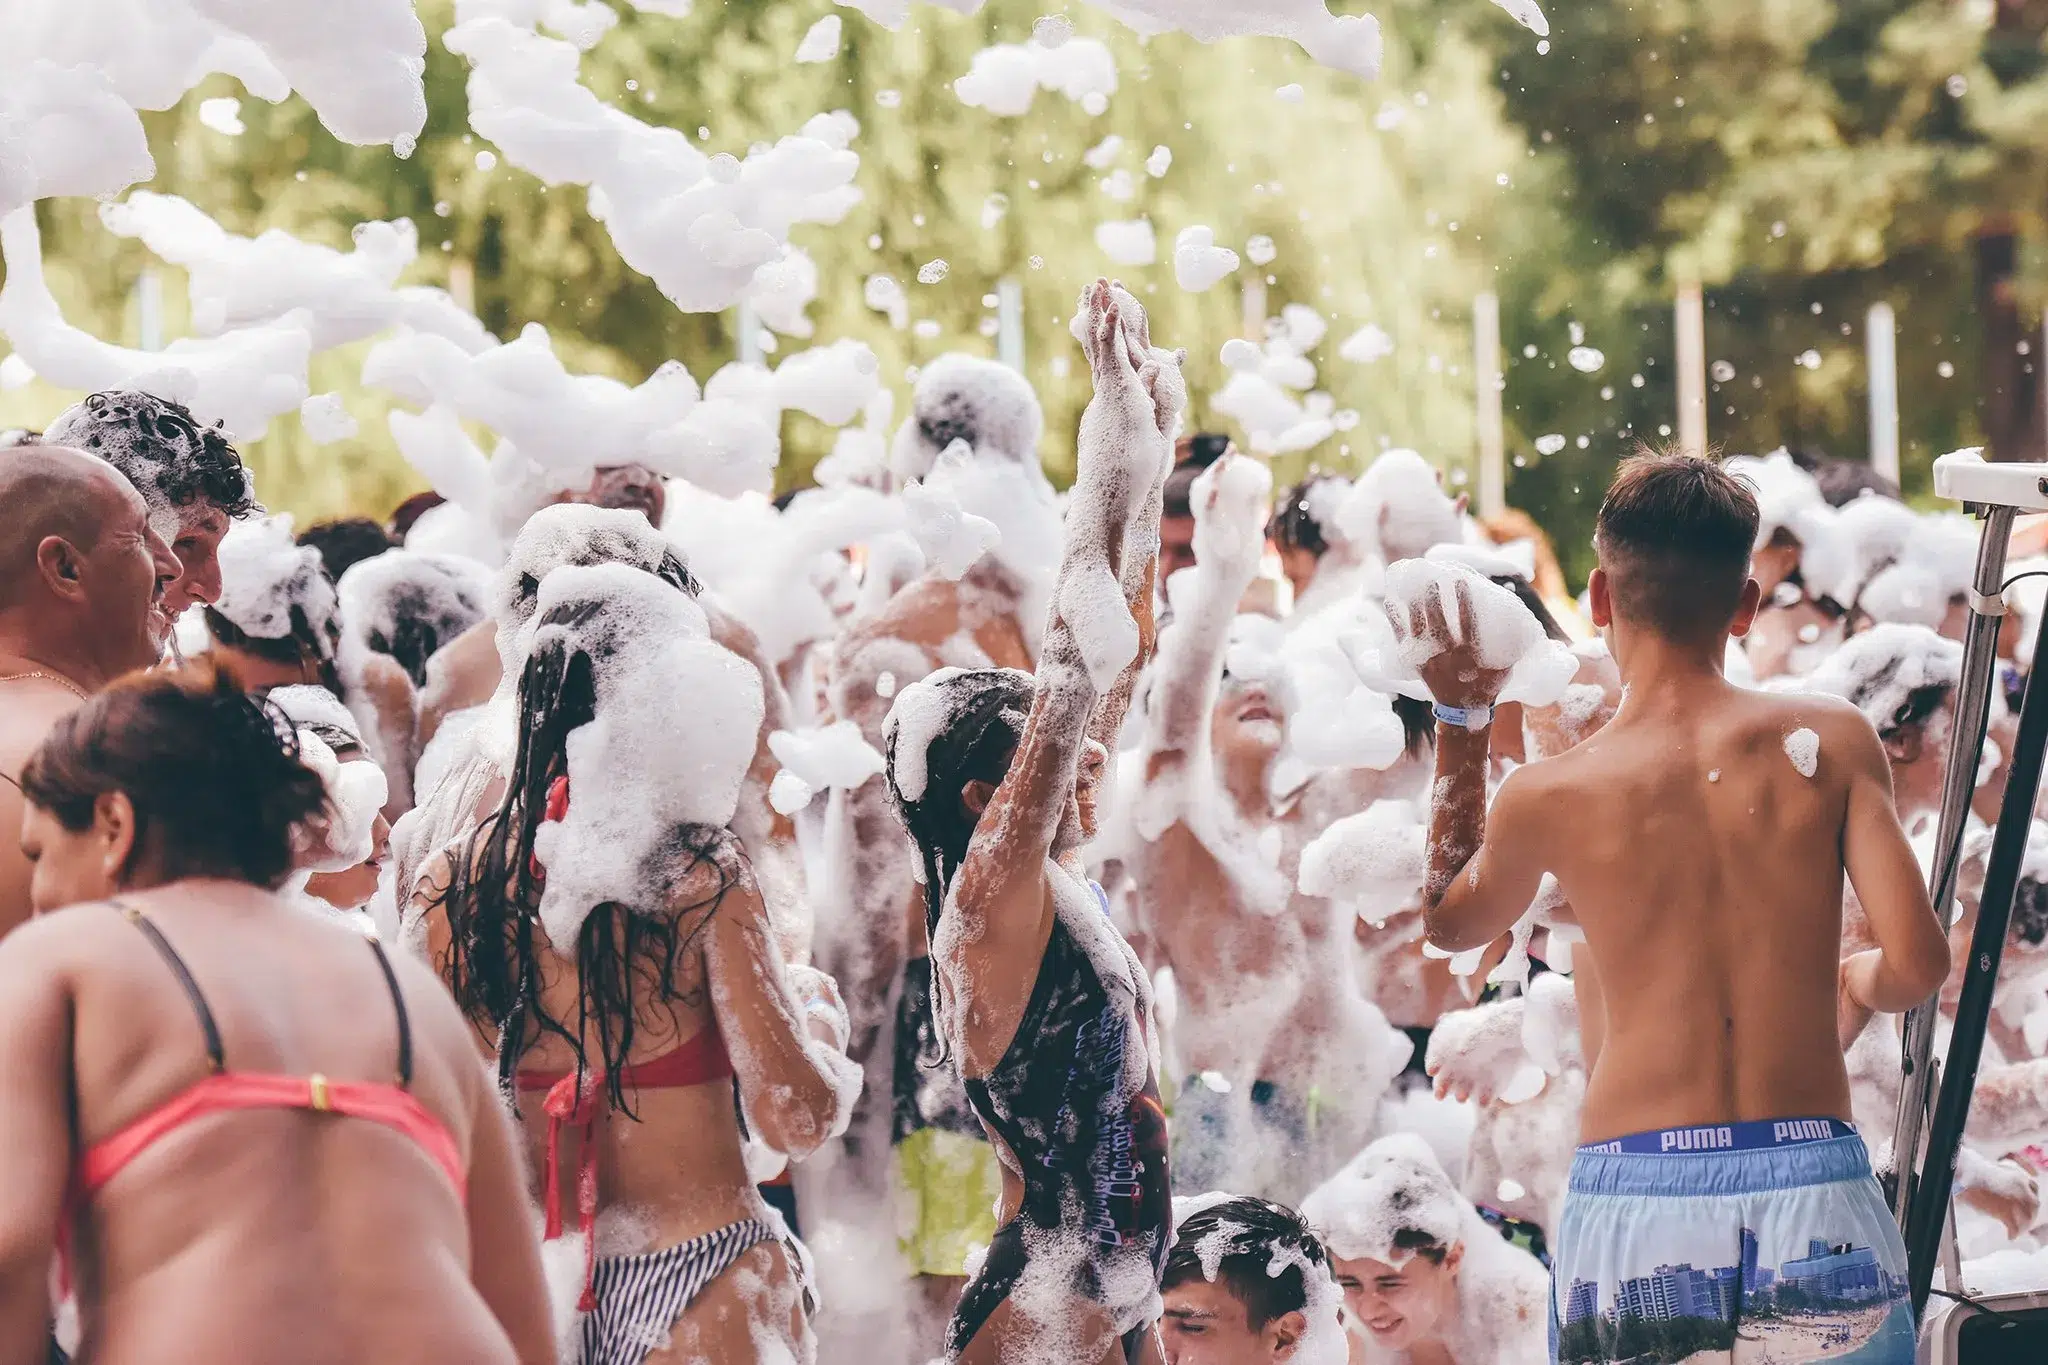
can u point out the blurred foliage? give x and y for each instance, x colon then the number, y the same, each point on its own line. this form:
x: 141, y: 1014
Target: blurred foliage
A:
x: 1803, y: 158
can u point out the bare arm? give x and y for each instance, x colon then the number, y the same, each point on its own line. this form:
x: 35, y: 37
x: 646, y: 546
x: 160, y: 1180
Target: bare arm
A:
x: 796, y: 1090
x: 504, y: 1253
x: 35, y: 1125
x: 1911, y: 957
x: 1481, y: 874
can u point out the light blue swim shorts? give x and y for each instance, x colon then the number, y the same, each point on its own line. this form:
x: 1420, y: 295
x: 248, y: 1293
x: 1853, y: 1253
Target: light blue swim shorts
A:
x: 1746, y: 1241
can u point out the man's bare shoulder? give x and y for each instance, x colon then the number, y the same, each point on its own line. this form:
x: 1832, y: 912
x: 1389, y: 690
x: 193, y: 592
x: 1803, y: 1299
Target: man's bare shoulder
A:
x: 31, y: 708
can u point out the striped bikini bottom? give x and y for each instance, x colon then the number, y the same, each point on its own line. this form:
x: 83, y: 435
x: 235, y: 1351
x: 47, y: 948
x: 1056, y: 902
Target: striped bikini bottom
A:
x: 640, y: 1297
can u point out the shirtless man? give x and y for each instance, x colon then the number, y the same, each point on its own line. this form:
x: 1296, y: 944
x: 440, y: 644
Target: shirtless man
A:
x: 83, y: 577
x: 1702, y: 839
x: 1215, y: 860
x: 191, y: 477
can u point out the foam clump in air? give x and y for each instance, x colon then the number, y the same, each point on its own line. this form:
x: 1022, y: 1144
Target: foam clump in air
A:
x: 951, y: 538
x: 1265, y: 379
x: 360, y: 67
x: 264, y: 574
x: 656, y: 672
x: 1127, y: 242
x: 1506, y: 634
x: 64, y: 130
x: 327, y: 419
x: 1337, y: 715
x: 1004, y: 79
x: 1345, y: 42
x: 834, y: 756
x: 242, y: 378
x: 1802, y: 746
x: 1371, y: 861
x: 699, y: 226
x: 1367, y: 344
x: 235, y: 281
x: 1198, y: 263
x: 820, y: 42
x: 1527, y: 14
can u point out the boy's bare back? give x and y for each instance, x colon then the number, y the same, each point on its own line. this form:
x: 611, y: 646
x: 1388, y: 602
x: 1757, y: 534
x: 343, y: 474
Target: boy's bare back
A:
x: 1706, y: 870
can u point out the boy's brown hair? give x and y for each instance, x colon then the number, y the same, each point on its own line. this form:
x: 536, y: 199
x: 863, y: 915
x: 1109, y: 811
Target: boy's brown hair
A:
x: 1675, y: 535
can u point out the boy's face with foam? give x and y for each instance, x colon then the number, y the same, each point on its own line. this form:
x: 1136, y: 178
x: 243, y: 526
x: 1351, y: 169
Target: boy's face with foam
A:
x: 1206, y: 1324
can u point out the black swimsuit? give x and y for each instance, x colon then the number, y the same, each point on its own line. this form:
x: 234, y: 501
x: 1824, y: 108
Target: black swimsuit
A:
x: 1091, y: 1147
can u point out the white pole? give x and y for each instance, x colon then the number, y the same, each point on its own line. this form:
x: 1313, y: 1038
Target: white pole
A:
x: 1881, y: 352
x: 1692, y: 370
x: 1254, y: 299
x: 149, y: 309
x: 1493, y: 498
x: 1010, y: 324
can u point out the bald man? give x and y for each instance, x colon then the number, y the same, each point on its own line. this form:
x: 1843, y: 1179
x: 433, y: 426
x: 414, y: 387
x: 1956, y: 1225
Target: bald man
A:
x: 82, y: 580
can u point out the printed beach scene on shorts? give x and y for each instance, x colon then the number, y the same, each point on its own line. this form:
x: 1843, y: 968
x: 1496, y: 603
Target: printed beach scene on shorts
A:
x: 1806, y: 1271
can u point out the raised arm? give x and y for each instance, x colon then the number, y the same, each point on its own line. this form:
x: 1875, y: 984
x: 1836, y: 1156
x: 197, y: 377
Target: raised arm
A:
x: 1229, y: 539
x: 1111, y: 538
x: 797, y: 1090
x: 1912, y: 957
x: 1477, y: 881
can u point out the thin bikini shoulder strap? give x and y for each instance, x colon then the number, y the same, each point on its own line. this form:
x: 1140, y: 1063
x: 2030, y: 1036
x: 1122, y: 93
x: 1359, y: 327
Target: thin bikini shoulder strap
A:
x: 216, y: 1056
x: 404, y: 1022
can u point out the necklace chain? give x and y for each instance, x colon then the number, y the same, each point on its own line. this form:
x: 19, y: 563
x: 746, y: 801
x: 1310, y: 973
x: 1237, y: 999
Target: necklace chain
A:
x: 56, y: 678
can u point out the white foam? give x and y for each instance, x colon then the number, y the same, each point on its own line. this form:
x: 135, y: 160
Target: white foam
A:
x: 1802, y: 746
x: 820, y: 42
x: 1198, y: 263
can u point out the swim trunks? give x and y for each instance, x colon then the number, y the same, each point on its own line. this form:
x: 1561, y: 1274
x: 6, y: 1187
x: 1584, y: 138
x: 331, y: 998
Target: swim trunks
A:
x: 639, y: 1298
x: 1773, y: 1234
x: 948, y: 1178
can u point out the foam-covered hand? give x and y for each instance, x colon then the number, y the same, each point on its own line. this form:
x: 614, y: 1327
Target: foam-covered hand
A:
x: 1453, y: 670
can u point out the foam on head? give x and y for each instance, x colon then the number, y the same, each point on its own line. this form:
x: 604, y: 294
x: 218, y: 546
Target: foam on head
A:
x: 965, y: 398
x: 1881, y: 671
x: 344, y: 835
x: 1399, y: 505
x: 176, y: 464
x: 570, y: 534
x: 264, y: 573
x: 674, y: 730
x: 1395, y: 1185
x: 408, y: 604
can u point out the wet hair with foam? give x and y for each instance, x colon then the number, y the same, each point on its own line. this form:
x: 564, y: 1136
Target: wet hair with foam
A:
x: 492, y: 902
x: 980, y: 715
x: 213, y: 773
x: 1242, y: 1238
x: 159, y: 447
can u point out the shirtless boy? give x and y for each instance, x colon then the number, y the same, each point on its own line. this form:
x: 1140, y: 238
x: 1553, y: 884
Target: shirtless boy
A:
x: 1702, y: 838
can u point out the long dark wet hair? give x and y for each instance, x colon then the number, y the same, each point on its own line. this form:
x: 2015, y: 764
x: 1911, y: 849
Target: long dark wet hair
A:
x: 493, y: 898
x: 985, y: 710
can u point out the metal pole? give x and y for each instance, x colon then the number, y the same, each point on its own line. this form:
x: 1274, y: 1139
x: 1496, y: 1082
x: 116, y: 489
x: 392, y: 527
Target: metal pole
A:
x: 1929, y: 1207
x: 1010, y: 324
x: 1692, y: 370
x: 1973, y: 709
x: 1881, y: 353
x: 1493, y: 498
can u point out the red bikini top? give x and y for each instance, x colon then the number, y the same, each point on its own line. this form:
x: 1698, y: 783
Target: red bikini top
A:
x: 223, y: 1091
x: 699, y: 1061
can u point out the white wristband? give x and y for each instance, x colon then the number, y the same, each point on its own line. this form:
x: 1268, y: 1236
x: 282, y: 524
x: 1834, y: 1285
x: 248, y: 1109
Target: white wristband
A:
x: 1464, y: 717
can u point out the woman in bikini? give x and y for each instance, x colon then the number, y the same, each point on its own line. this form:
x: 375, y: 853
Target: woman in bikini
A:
x: 1039, y: 1001
x: 243, y: 1132
x: 622, y: 1009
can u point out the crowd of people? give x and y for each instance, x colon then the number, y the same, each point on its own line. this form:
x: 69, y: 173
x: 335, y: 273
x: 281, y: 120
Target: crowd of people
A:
x: 1162, y: 922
